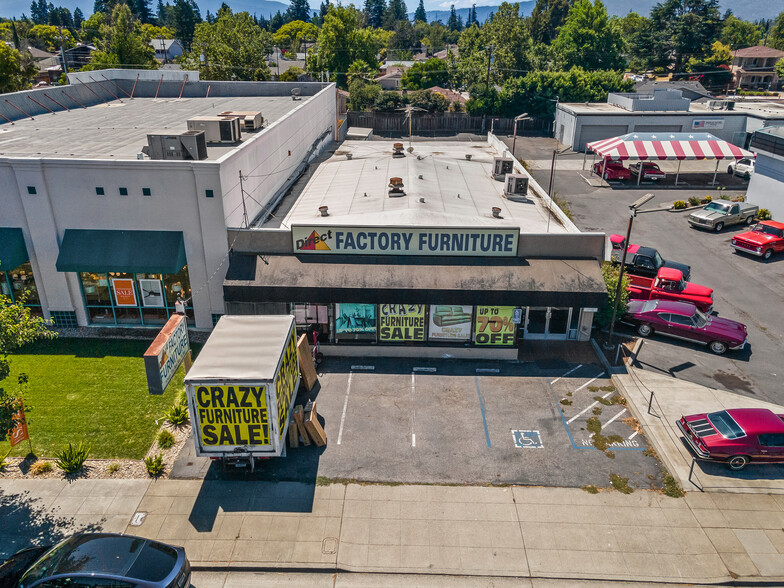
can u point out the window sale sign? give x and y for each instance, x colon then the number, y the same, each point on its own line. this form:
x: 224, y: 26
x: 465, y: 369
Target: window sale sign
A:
x: 494, y: 325
x: 124, y: 292
x: 401, y: 323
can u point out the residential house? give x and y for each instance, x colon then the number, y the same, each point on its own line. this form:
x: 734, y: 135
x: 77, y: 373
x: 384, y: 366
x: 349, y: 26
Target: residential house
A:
x: 753, y: 68
x: 451, y: 95
x: 391, y: 80
x: 167, y: 49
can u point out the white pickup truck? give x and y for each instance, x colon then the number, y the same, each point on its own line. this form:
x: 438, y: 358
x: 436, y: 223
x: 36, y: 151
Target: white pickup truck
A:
x: 723, y: 213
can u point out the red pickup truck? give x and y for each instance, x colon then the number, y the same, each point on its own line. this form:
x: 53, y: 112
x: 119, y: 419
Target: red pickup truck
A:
x: 670, y: 285
x: 763, y: 240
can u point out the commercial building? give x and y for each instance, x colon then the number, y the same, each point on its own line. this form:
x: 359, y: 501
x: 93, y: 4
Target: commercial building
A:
x: 766, y: 187
x: 103, y: 225
x: 386, y: 251
x: 665, y: 110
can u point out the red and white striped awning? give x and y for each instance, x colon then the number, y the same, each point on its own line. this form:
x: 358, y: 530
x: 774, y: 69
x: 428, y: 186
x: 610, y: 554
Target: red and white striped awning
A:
x: 667, y: 146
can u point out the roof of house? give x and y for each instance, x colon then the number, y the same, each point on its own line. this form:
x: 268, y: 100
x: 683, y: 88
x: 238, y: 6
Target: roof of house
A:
x: 392, y: 73
x: 451, y: 95
x: 166, y: 43
x: 758, y: 51
x: 39, y: 53
x: 688, y: 86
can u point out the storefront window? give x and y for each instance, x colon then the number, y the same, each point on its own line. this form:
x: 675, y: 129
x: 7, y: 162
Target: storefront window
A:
x: 355, y: 322
x: 19, y: 286
x: 313, y: 317
x: 134, y: 299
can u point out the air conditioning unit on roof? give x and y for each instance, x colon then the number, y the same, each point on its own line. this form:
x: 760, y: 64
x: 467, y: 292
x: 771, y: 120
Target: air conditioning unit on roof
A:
x: 501, y: 167
x: 217, y: 129
x: 252, y: 120
x: 189, y: 145
x: 516, y: 187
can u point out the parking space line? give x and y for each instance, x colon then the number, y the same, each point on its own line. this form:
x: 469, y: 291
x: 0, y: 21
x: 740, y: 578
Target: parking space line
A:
x: 487, y: 370
x: 345, y: 406
x: 589, y: 382
x: 574, y: 369
x: 482, y: 408
x: 425, y: 369
x: 582, y: 412
x: 413, y: 405
x: 615, y: 418
x: 632, y: 436
x: 363, y: 367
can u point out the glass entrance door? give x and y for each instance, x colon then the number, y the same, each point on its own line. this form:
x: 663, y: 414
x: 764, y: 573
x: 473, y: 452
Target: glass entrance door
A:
x: 558, y: 326
x: 547, y: 323
x: 536, y: 323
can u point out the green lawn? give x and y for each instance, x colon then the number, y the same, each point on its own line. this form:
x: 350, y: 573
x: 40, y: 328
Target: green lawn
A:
x: 92, y: 390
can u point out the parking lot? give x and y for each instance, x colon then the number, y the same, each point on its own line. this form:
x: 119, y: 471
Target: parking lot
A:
x: 464, y: 422
x: 745, y: 288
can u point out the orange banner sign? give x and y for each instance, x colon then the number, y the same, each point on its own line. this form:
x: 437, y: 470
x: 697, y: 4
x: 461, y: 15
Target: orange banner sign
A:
x: 124, y: 292
x: 19, y: 433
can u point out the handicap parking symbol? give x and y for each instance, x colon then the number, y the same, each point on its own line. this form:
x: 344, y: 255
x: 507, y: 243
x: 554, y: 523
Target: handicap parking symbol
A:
x: 527, y: 439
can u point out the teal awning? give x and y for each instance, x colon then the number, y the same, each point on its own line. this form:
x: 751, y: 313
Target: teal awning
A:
x: 13, y: 251
x: 131, y: 252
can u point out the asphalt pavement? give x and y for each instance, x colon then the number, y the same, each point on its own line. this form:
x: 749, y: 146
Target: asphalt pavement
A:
x: 745, y: 288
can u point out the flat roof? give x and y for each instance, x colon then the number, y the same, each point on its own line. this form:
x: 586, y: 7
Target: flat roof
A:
x: 118, y: 130
x: 442, y: 188
x: 745, y: 108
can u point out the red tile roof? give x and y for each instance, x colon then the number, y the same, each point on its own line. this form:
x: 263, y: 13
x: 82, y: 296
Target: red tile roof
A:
x: 758, y: 51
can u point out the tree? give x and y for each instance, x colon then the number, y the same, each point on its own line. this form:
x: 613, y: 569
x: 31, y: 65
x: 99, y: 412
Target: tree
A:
x: 151, y: 32
x: 17, y: 326
x: 363, y: 95
x: 739, y: 33
x: 277, y: 21
x: 39, y: 11
x: 681, y: 29
x: 396, y: 10
x: 78, y: 18
x: 775, y: 38
x: 48, y: 38
x: 186, y: 17
x: 123, y: 45
x: 611, y: 274
x: 60, y: 17
x: 546, y: 18
x: 403, y: 41
x: 292, y: 74
x: 453, y: 24
x: 589, y: 39
x: 16, y: 71
x: 299, y: 10
x: 91, y: 28
x: 713, y: 72
x: 233, y: 48
x: 291, y: 35
x: 374, y: 12
x: 429, y: 100
x: 359, y: 70
x: 421, y: 13
x: 422, y: 75
x: 435, y: 40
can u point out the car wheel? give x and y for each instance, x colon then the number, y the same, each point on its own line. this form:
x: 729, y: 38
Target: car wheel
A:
x: 606, y: 176
x: 718, y: 347
x: 750, y: 220
x: 737, y: 462
x: 729, y: 169
x: 644, y: 330
x: 768, y: 254
x: 747, y: 176
x: 719, y: 227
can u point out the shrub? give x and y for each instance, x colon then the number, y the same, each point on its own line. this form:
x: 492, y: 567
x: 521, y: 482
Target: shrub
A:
x: 113, y: 467
x: 694, y: 201
x: 764, y: 214
x: 165, y: 439
x: 671, y: 487
x: 154, y: 465
x: 621, y: 484
x: 41, y: 467
x: 708, y: 198
x: 739, y: 199
x: 71, y: 459
x: 679, y: 204
x: 177, y: 415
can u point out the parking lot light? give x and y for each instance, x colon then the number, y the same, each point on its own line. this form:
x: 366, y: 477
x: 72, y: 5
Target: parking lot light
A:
x: 523, y: 116
x: 633, y: 208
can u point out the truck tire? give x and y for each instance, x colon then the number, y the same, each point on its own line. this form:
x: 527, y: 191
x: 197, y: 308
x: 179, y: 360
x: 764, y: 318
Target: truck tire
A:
x: 768, y: 254
x: 644, y: 330
x: 718, y: 347
x: 738, y: 462
x: 750, y: 220
x: 719, y: 227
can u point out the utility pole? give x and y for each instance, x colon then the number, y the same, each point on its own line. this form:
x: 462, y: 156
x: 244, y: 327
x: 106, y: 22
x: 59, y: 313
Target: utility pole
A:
x: 163, y: 50
x: 489, y: 59
x: 62, y: 50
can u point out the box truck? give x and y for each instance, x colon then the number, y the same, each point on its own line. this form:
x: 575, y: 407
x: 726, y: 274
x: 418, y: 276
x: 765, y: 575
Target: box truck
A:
x: 241, y: 389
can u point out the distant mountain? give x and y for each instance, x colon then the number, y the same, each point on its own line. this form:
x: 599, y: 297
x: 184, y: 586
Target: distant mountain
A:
x: 266, y: 8
x: 745, y: 9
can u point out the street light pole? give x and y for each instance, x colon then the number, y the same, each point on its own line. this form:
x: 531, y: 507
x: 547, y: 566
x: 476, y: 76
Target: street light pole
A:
x: 523, y: 116
x: 633, y: 208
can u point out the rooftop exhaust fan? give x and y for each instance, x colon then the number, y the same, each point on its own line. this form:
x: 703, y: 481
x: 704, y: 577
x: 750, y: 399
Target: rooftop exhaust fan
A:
x: 397, y: 150
x: 396, y: 187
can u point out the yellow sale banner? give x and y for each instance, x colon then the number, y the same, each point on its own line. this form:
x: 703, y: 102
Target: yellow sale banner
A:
x: 401, y: 322
x: 494, y: 326
x: 233, y: 415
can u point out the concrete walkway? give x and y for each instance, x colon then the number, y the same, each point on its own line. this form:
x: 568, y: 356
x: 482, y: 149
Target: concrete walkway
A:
x: 477, y: 531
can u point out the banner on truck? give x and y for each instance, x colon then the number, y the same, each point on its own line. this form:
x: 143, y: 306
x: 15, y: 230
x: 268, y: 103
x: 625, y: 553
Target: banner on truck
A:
x: 452, y: 323
x: 286, y: 382
x: 494, y: 325
x: 355, y: 318
x: 232, y: 415
x: 399, y: 323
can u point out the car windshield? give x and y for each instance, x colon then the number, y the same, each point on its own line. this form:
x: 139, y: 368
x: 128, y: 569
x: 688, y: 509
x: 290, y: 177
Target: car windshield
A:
x: 658, y: 259
x: 699, y: 319
x: 726, y: 425
x: 768, y: 230
x: 716, y: 207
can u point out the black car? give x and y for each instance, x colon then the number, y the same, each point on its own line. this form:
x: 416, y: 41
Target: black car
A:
x: 98, y: 559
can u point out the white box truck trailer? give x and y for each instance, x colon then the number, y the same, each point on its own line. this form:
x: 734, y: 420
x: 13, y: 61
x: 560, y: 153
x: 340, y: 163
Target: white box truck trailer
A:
x: 241, y: 388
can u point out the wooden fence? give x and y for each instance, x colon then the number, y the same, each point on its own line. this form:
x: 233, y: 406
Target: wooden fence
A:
x: 446, y: 123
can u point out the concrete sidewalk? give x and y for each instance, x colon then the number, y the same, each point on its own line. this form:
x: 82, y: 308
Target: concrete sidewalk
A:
x: 524, y: 532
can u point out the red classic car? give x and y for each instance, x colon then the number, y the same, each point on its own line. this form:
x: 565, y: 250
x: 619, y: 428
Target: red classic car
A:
x: 611, y: 170
x: 650, y: 170
x: 765, y: 239
x: 736, y: 436
x: 670, y: 285
x: 684, y: 320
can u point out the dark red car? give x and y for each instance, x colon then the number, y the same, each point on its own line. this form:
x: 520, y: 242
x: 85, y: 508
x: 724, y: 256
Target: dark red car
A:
x: 736, y: 436
x: 765, y: 239
x: 684, y: 320
x: 650, y: 170
x: 611, y: 170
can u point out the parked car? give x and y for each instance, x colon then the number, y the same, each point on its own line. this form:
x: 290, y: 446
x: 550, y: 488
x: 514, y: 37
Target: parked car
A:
x: 683, y: 320
x: 670, y: 285
x: 643, y: 261
x: 765, y: 239
x: 723, y: 213
x: 611, y: 170
x: 99, y: 559
x: 743, y: 168
x: 736, y: 436
x: 650, y: 170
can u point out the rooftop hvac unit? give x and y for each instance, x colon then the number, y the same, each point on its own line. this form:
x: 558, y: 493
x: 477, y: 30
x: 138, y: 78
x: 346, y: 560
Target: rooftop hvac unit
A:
x: 516, y: 187
x: 252, y: 120
x: 719, y: 105
x: 188, y: 145
x: 501, y: 167
x: 217, y: 129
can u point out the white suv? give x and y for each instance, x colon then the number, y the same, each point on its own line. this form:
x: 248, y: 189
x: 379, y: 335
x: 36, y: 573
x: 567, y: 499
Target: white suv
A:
x: 742, y: 167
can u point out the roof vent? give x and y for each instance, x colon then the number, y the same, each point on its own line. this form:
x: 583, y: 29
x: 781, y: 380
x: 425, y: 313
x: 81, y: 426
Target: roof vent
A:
x: 496, y: 212
x: 349, y: 156
x: 296, y: 94
x: 468, y: 156
x: 324, y: 210
x: 397, y: 150
x: 396, y: 187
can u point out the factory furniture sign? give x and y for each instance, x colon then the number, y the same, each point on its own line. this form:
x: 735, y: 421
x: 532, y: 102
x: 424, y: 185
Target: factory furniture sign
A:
x: 166, y: 353
x: 401, y: 323
x: 495, y: 325
x: 458, y: 241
